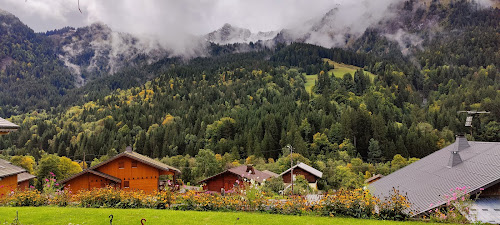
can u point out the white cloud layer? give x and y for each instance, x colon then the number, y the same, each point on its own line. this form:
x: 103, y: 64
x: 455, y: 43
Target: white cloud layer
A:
x: 176, y: 24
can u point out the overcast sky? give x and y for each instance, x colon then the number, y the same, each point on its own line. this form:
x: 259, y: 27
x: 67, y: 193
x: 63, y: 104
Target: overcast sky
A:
x: 149, y: 16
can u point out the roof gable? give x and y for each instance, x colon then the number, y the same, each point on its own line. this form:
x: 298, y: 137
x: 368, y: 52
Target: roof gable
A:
x: 6, y: 126
x: 429, y: 179
x: 241, y: 171
x: 144, y: 159
x: 306, y: 168
x: 97, y: 173
x: 24, y: 176
x: 7, y: 169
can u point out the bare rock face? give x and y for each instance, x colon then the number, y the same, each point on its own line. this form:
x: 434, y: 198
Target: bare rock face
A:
x: 96, y: 50
x: 228, y: 34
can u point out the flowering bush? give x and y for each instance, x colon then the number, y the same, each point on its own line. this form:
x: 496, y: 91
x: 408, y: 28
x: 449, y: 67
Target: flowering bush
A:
x: 26, y: 198
x: 457, y: 206
x: 354, y: 203
x: 395, y: 207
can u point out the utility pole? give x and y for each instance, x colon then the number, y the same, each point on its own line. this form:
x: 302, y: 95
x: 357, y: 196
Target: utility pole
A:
x: 291, y: 164
x: 84, y: 167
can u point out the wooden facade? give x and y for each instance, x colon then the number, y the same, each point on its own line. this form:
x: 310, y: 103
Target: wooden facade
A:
x: 225, y: 180
x: 298, y: 171
x: 127, y: 171
x: 8, y: 184
x: 228, y: 179
x: 88, y: 181
x: 23, y: 185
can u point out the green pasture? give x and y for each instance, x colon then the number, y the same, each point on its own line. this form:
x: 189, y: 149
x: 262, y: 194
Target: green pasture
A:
x: 70, y: 215
x: 339, y: 70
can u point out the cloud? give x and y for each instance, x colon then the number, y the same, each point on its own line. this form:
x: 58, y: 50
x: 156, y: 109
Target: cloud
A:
x: 177, y: 25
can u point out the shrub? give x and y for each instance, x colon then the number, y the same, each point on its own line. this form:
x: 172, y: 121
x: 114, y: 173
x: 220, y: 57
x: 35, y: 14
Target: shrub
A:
x: 395, y: 207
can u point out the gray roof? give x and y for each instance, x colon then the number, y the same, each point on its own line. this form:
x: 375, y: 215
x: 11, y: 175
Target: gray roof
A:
x: 7, y: 169
x: 485, y: 210
x: 427, y: 181
x: 271, y: 173
x: 307, y: 168
x: 141, y: 158
x: 241, y: 171
x: 6, y: 126
x: 24, y: 176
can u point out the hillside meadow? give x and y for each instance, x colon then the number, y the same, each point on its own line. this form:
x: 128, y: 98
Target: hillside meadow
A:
x: 68, y: 215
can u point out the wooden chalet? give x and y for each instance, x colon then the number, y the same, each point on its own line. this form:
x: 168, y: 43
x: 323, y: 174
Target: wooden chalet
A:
x: 230, y: 178
x: 6, y: 126
x: 128, y: 170
x: 312, y: 175
x: 12, y: 177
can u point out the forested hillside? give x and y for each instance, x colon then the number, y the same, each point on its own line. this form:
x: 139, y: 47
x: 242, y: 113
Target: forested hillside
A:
x: 246, y: 107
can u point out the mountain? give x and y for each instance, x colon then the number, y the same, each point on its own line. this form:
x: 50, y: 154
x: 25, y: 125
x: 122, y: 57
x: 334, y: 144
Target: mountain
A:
x: 94, y: 51
x: 228, y: 34
x: 31, y: 75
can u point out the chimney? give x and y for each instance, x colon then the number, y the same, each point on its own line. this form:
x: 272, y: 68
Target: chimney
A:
x: 128, y: 149
x: 461, y: 143
x: 250, y: 169
x: 455, y: 159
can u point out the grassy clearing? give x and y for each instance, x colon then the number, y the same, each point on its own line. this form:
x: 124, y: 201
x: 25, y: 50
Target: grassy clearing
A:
x: 339, y: 70
x: 56, y: 215
x: 310, y: 79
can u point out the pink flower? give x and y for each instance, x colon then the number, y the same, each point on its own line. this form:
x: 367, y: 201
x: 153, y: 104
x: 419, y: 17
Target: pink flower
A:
x: 481, y: 189
x: 57, y: 184
x: 46, y: 180
x: 463, y: 198
x: 431, y: 205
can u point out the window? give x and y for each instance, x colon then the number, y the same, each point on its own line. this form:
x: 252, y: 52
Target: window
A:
x: 134, y: 164
x: 121, y: 165
x: 126, y: 184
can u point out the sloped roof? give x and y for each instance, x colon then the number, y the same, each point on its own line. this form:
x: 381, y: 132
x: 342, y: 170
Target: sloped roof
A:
x: 141, y: 158
x: 374, y: 177
x: 428, y: 180
x: 271, y: 173
x: 24, y: 176
x: 6, y: 126
x: 241, y: 171
x: 7, y: 169
x: 97, y: 173
x: 307, y: 168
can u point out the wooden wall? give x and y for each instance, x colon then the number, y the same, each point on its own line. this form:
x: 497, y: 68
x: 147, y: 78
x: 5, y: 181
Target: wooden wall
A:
x: 143, y: 177
x: 8, y: 184
x: 225, y: 180
x: 298, y: 171
x: 23, y: 185
x: 493, y: 191
x: 87, y: 181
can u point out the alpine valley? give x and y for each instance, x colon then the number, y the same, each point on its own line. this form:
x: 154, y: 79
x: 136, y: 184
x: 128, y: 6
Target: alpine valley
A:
x: 353, y: 98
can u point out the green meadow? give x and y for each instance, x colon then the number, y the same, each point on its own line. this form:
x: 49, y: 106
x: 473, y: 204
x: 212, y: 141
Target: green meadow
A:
x: 70, y: 215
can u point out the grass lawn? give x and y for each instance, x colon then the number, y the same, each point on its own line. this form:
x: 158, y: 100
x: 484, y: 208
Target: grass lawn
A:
x: 339, y: 70
x: 68, y: 215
